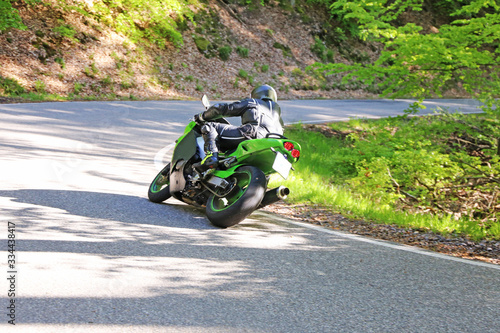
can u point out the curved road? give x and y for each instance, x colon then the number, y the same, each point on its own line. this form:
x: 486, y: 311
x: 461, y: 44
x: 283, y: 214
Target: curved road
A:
x: 94, y: 255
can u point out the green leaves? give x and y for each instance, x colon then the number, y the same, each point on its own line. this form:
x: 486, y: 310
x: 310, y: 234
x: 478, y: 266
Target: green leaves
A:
x: 463, y: 54
x: 441, y: 165
x: 9, y: 17
x: 155, y: 21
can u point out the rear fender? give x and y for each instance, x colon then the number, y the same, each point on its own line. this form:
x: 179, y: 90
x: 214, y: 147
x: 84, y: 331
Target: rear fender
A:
x: 261, y: 153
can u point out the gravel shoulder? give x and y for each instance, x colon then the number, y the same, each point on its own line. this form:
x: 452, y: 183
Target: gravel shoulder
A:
x: 486, y: 250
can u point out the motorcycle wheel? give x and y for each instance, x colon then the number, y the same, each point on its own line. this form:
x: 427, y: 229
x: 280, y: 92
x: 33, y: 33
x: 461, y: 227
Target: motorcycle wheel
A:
x: 241, y: 201
x: 159, y: 190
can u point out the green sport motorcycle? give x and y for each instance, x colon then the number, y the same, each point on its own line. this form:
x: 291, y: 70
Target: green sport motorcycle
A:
x: 234, y: 189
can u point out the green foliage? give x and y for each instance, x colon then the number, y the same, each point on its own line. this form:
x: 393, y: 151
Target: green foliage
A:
x: 242, y: 51
x: 463, y: 53
x: 61, y: 62
x: 89, y: 72
x: 9, y: 17
x: 287, y: 52
x: 319, y: 48
x: 40, y: 86
x: 225, y: 52
x: 297, y: 72
x: 389, y: 168
x: 10, y: 87
x: 243, y: 74
x: 65, y: 30
x: 78, y: 87
x: 202, y: 44
x: 155, y: 21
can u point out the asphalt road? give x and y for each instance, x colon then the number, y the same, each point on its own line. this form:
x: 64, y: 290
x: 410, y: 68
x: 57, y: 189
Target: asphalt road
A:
x: 93, y: 254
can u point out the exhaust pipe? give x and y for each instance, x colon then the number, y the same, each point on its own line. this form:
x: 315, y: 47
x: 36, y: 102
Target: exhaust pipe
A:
x: 273, y: 195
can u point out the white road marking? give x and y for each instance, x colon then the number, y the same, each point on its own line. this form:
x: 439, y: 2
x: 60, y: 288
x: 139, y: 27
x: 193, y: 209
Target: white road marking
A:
x: 407, y: 248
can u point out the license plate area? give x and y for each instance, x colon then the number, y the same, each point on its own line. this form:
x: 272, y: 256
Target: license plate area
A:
x: 282, y: 166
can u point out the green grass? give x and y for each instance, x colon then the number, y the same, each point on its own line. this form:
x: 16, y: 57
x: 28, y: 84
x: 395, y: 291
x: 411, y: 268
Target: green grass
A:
x: 356, y: 174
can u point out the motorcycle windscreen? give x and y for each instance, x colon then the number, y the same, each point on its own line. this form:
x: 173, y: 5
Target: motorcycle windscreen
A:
x: 185, y: 149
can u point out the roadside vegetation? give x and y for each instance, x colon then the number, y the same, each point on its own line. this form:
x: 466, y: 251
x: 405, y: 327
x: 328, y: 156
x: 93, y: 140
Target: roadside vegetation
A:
x: 392, y: 48
x: 436, y: 173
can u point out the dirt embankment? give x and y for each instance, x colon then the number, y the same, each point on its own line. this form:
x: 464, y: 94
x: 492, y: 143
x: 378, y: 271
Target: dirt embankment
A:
x: 68, y: 54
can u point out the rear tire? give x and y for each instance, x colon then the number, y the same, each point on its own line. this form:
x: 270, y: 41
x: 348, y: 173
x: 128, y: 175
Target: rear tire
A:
x: 159, y: 190
x: 241, y: 201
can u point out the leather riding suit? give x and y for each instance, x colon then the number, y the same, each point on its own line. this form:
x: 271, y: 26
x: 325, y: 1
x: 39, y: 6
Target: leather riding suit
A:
x: 258, y: 118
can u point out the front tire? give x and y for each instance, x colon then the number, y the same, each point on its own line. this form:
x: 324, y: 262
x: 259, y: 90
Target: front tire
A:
x: 241, y: 201
x: 159, y: 190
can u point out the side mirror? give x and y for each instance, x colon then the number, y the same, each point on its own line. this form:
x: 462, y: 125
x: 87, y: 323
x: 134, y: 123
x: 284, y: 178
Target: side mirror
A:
x: 205, y: 102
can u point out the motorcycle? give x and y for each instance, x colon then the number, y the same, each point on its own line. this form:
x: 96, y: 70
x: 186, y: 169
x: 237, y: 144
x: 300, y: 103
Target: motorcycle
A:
x: 237, y: 187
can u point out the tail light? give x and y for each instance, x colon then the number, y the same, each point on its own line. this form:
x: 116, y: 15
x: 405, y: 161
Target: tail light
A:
x: 288, y: 146
x: 291, y: 148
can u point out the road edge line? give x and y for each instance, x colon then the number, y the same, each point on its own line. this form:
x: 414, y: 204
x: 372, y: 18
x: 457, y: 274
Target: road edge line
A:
x: 403, y: 247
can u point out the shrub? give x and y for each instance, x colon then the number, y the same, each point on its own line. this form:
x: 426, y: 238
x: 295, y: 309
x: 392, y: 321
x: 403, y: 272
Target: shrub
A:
x: 287, y: 52
x: 40, y: 86
x: 61, y: 62
x: 78, y: 87
x: 10, y: 87
x: 202, y: 44
x: 243, y: 74
x: 242, y: 51
x: 65, y: 31
x: 9, y: 17
x: 297, y: 72
x: 225, y: 52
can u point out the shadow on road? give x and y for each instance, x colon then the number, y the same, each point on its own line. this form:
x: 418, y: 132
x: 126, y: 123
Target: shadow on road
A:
x: 120, y: 261
x: 114, y: 259
x: 118, y: 207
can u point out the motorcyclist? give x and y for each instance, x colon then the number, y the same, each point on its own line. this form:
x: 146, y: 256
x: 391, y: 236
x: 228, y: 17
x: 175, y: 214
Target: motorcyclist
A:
x: 259, y: 114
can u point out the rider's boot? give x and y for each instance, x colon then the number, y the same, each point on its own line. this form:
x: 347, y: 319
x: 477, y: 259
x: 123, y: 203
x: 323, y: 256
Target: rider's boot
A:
x: 211, y: 161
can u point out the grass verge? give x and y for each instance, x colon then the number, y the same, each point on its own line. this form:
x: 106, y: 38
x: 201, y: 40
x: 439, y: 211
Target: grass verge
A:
x: 437, y: 173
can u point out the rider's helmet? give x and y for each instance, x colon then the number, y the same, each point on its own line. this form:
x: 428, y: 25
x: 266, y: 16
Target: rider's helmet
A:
x: 265, y: 92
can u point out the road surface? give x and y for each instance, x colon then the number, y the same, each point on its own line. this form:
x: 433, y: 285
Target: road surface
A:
x: 92, y: 254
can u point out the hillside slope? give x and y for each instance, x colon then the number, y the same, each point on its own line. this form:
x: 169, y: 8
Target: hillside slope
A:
x: 68, y: 54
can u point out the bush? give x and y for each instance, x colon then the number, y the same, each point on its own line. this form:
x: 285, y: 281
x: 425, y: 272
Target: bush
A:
x: 40, y: 86
x: 225, y: 52
x: 243, y: 74
x: 153, y: 21
x: 242, y: 51
x: 434, y: 168
x: 61, y: 62
x: 202, y: 44
x: 319, y: 49
x: 287, y: 52
x: 10, y: 87
x: 78, y: 87
x: 9, y: 17
x: 65, y: 31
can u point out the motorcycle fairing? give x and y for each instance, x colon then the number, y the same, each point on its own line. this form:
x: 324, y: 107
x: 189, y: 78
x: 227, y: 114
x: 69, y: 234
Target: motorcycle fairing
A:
x: 184, y: 150
x: 260, y: 153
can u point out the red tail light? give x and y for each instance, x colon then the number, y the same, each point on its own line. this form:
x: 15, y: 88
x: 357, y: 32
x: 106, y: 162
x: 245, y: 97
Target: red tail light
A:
x: 291, y: 148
